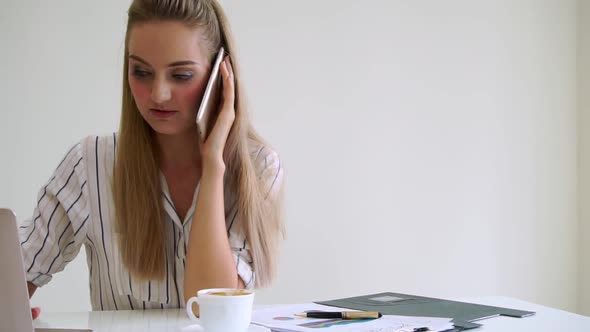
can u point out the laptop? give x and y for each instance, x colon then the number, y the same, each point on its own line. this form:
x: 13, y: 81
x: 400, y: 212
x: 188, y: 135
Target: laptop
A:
x: 15, y: 308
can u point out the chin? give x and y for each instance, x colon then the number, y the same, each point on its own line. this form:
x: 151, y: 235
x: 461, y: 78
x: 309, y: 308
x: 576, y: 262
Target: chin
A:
x: 169, y: 129
x: 162, y: 127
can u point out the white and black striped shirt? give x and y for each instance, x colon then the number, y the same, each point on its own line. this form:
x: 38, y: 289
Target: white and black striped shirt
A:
x: 76, y: 208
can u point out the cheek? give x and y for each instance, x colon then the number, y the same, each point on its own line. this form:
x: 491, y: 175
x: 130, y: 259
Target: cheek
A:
x: 140, y: 91
x: 190, y: 97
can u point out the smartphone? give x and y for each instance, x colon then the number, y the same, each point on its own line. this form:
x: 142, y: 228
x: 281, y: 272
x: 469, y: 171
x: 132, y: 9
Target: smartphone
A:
x: 207, y: 113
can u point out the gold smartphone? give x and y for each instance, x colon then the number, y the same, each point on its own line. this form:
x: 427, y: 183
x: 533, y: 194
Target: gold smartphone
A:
x: 207, y: 113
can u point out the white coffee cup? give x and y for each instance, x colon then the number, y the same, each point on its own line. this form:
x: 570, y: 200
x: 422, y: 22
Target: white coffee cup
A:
x: 222, y: 309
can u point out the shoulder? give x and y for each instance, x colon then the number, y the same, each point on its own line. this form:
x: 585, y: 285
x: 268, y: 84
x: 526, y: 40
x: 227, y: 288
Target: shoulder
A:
x: 264, y: 157
x: 78, y: 165
x: 89, y: 155
x: 99, y: 146
x: 268, y: 165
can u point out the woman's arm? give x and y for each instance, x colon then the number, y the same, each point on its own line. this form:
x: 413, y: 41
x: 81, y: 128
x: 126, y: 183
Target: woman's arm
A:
x: 210, y: 262
x: 62, y: 204
x: 209, y: 259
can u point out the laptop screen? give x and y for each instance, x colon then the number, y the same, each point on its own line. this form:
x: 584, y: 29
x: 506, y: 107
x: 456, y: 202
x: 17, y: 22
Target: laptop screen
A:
x: 15, y: 311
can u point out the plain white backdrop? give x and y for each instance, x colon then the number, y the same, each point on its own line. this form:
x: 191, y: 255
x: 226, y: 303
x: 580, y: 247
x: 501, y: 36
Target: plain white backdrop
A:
x: 584, y: 154
x: 430, y: 147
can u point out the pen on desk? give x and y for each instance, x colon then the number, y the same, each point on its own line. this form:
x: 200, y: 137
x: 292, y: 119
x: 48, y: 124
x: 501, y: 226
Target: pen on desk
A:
x: 341, y: 314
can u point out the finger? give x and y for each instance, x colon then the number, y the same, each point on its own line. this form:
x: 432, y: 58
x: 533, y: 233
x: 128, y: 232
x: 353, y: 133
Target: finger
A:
x: 225, y: 119
x: 35, y: 312
x: 231, y: 69
x: 223, y: 126
x: 224, y: 70
x: 228, y: 84
x: 226, y: 116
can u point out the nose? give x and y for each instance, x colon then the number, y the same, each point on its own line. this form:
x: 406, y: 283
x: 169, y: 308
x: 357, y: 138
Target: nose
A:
x: 160, y: 91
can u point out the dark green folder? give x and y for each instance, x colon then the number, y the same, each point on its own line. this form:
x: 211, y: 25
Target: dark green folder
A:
x: 463, y: 314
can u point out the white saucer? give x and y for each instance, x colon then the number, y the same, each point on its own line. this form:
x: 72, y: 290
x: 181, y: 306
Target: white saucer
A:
x: 199, y: 328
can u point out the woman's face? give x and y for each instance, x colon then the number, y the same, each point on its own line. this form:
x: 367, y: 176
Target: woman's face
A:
x: 168, y: 72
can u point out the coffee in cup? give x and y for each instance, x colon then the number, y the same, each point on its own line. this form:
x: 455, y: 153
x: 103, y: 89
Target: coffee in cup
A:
x: 222, y: 309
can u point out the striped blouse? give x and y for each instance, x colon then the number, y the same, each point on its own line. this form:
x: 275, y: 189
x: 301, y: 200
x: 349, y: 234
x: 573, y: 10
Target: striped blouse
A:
x: 76, y: 208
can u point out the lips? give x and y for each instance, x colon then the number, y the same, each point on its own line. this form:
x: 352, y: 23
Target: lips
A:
x: 162, y: 110
x: 161, y: 113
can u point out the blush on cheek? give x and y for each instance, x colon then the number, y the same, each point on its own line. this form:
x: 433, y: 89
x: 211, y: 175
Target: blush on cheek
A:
x: 190, y: 97
x: 141, y: 92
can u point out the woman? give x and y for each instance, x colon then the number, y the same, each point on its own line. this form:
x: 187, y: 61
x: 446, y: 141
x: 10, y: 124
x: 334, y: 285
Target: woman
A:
x: 160, y: 213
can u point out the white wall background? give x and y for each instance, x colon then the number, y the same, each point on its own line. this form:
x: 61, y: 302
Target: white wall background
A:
x: 430, y: 146
x: 584, y: 154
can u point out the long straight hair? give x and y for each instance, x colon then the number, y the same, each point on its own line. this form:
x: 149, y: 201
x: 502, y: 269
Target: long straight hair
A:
x: 136, y: 182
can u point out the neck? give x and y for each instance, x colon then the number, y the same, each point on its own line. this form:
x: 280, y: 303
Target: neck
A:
x: 178, y: 152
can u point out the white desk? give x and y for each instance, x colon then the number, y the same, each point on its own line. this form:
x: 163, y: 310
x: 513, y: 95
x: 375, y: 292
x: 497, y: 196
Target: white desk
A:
x: 546, y: 319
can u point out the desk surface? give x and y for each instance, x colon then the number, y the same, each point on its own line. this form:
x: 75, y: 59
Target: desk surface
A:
x: 546, y: 319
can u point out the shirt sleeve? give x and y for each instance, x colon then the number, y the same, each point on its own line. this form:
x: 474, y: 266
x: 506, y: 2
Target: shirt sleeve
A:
x: 241, y: 252
x: 55, y: 233
x: 270, y: 171
x: 271, y: 175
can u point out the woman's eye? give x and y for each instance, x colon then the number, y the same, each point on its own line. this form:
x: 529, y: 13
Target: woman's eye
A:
x: 182, y: 77
x: 139, y: 73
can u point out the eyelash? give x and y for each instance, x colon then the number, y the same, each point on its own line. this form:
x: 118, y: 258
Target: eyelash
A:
x: 141, y: 74
x: 144, y: 74
x: 182, y: 77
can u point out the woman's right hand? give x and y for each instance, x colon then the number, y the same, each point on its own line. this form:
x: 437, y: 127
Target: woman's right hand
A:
x: 35, y: 312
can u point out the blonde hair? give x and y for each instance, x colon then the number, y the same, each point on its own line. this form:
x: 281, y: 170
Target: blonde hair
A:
x: 136, y: 182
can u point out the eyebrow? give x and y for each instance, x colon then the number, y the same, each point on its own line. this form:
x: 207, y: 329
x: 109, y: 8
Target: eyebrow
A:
x: 173, y: 64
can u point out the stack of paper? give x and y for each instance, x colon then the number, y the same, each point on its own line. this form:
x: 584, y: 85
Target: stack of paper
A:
x: 283, y: 319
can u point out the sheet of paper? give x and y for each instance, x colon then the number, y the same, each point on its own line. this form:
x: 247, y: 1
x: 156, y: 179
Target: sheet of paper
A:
x: 283, y: 319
